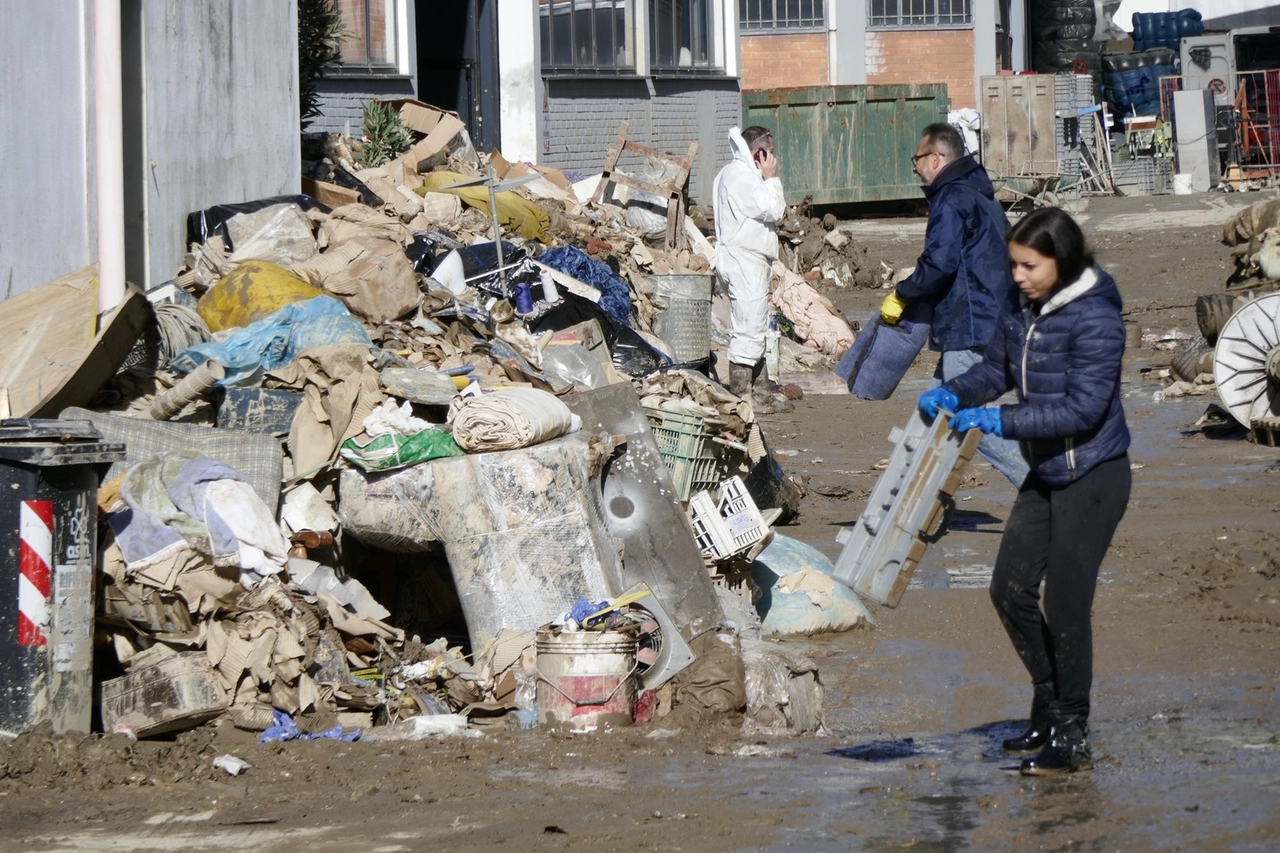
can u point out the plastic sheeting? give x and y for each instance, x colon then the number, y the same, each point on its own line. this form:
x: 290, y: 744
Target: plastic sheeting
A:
x: 514, y: 212
x: 783, y: 689
x: 251, y: 292
x: 523, y: 530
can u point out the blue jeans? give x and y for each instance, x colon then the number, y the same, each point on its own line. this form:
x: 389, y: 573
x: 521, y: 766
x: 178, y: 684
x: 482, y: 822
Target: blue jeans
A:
x: 1004, y: 455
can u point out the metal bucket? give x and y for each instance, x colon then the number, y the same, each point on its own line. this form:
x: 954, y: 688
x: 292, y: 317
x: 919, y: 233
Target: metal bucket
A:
x: 685, y: 324
x: 586, y: 679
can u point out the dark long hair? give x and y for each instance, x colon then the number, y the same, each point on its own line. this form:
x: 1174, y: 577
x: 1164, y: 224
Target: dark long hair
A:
x: 1054, y: 234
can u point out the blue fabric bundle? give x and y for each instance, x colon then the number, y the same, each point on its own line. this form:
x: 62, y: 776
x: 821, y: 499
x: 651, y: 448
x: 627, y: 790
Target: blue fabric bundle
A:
x: 615, y: 299
x: 881, y: 354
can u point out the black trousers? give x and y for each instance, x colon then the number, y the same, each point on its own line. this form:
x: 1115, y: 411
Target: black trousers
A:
x: 1058, y: 535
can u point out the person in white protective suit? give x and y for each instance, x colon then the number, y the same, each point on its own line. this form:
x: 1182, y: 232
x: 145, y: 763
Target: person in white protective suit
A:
x: 748, y: 202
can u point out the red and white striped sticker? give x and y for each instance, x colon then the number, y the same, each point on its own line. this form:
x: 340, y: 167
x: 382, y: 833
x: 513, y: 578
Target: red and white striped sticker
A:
x: 35, y: 571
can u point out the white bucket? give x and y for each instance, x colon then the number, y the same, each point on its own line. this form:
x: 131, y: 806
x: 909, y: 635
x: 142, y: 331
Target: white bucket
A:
x: 586, y: 679
x: 1182, y: 184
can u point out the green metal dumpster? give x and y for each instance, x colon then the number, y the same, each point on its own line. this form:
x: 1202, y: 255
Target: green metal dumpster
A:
x: 844, y: 144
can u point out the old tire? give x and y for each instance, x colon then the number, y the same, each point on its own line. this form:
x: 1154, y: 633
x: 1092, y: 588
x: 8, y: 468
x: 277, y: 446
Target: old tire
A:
x: 1186, y: 362
x: 1213, y: 310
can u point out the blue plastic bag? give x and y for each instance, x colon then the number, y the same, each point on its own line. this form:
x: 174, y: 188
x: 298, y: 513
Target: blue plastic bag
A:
x: 284, y: 728
x: 275, y: 340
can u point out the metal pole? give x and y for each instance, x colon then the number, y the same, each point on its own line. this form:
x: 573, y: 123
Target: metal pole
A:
x: 108, y: 152
x: 497, y: 232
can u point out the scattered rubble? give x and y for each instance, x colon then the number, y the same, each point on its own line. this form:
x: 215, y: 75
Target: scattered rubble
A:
x: 369, y: 369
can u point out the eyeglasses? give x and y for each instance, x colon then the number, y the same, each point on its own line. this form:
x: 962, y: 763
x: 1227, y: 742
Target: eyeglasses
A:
x: 918, y: 157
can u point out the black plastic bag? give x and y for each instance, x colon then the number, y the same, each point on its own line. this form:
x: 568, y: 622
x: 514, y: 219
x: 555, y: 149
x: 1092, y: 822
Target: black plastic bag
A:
x: 203, y: 224
x: 522, y: 271
x: 483, y: 257
x: 422, y: 253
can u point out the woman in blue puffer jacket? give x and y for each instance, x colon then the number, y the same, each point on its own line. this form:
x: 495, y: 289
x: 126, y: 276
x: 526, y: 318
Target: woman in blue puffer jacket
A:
x: 1059, y: 342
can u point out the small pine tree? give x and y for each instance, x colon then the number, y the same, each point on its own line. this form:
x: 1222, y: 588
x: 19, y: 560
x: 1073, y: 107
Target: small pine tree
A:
x: 385, y: 135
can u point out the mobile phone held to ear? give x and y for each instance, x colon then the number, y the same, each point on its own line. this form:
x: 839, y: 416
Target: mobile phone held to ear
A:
x: 758, y: 155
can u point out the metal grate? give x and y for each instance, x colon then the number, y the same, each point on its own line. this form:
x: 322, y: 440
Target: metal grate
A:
x: 919, y: 14
x: 781, y: 14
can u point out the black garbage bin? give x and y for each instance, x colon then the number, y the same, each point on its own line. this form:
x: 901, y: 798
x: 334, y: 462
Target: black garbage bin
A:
x: 49, y: 472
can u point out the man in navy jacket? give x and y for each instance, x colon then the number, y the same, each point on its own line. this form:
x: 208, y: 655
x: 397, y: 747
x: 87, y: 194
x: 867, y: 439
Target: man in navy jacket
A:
x: 964, y: 269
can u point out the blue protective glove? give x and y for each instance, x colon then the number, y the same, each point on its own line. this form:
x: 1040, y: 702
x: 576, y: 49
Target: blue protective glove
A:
x: 986, y: 419
x: 937, y: 398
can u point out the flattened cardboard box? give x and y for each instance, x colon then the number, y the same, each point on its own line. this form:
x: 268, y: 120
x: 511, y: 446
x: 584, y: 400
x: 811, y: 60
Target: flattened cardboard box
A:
x: 437, y: 127
x: 504, y: 168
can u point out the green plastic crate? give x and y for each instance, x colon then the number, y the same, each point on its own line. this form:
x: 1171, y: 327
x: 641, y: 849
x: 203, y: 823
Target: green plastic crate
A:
x: 688, y: 450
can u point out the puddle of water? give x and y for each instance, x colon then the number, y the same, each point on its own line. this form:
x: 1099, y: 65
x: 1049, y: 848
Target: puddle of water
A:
x: 1151, y: 789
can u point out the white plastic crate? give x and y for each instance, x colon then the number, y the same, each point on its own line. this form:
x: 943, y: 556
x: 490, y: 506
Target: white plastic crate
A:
x: 728, y: 527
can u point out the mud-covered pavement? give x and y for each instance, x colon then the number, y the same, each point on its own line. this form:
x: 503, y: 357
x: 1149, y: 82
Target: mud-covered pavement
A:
x: 1187, y: 619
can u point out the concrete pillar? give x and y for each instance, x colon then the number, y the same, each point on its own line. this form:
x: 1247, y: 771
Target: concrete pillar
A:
x: 847, y: 42
x: 728, y: 45
x: 1019, y: 53
x: 985, y: 18
x: 519, y: 79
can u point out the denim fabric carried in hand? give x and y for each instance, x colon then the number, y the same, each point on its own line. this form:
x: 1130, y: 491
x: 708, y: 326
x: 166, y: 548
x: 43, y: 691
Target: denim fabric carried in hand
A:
x: 937, y: 398
x: 985, y: 419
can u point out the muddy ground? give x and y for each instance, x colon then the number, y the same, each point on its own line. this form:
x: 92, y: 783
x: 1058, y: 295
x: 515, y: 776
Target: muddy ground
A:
x: 1187, y: 619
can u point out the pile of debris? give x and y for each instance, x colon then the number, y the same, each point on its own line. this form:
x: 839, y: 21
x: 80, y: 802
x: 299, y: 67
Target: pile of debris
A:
x: 822, y: 254
x: 438, y: 353
x: 1235, y: 355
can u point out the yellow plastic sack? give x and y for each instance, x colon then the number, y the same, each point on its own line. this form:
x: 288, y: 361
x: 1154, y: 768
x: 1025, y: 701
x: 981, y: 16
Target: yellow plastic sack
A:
x: 514, y: 212
x: 250, y: 292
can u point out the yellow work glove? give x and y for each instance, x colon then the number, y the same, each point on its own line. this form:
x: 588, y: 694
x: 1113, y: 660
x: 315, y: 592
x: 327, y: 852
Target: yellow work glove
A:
x: 891, y: 309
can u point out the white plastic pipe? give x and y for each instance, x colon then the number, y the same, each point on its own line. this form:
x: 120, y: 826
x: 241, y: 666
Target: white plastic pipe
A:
x: 109, y: 154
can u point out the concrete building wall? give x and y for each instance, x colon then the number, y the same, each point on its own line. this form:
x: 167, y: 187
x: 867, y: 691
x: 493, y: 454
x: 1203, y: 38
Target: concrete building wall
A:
x: 924, y: 56
x: 210, y: 116
x: 780, y: 60
x: 583, y: 116
x: 48, y: 220
x: 220, y: 122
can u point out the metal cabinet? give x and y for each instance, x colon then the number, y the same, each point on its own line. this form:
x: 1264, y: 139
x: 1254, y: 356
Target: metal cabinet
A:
x: 1018, y: 125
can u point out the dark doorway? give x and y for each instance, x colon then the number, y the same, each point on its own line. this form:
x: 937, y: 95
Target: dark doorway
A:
x: 458, y: 63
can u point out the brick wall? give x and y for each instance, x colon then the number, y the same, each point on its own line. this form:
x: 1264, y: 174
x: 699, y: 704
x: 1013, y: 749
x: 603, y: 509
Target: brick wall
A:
x: 583, y: 115
x: 777, y: 61
x: 342, y: 101
x: 924, y: 56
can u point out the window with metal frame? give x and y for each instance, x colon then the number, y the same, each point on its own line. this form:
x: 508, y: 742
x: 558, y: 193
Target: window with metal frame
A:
x: 681, y: 36
x: 919, y: 14
x: 781, y: 15
x: 370, y: 35
x: 587, y: 36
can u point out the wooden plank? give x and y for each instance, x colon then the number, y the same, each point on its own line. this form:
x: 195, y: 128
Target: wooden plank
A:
x: 330, y: 194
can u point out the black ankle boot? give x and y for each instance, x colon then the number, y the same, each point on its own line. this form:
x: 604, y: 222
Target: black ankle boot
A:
x: 1036, y: 736
x: 1033, y: 739
x: 1068, y: 750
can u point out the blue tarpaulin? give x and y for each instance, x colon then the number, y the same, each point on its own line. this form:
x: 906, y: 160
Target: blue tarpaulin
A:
x: 615, y: 295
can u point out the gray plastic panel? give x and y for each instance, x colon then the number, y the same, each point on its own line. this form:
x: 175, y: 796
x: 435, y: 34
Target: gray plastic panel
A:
x: 905, y: 509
